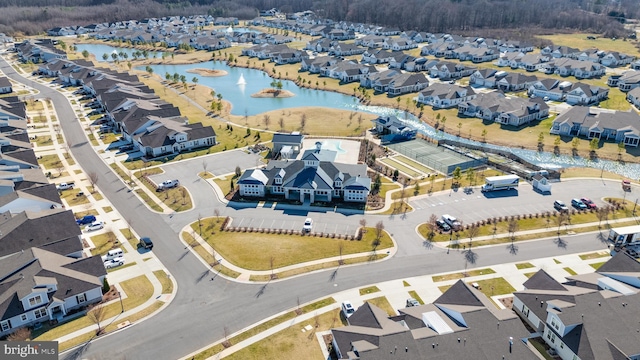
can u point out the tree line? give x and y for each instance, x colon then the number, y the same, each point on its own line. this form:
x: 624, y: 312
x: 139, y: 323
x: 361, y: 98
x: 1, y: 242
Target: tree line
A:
x: 457, y: 16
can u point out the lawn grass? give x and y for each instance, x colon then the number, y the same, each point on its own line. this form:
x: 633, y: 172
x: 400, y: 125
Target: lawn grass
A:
x: 444, y: 288
x: 107, y: 209
x: 269, y: 324
x: 437, y: 183
x: 405, y: 283
x: 596, y: 266
x: 208, y: 257
x: 205, y: 175
x: 323, y: 265
x: 167, y: 285
x: 461, y: 275
x: 129, y: 235
x: 570, y: 271
x: 595, y: 255
x: 383, y: 304
x: 397, y: 207
x: 97, y: 196
x: 293, y: 342
x: 73, y: 197
x: 224, y: 184
x: 415, y: 295
x: 104, y: 242
x: 119, y: 171
x: 369, y: 290
x: 580, y: 41
x: 138, y: 290
x: 148, y: 172
x: 93, y: 140
x: 495, y: 286
x: 43, y: 140
x: 529, y: 274
x: 81, y: 214
x: 50, y: 162
x: 152, y: 204
x: 284, y: 249
x: 525, y: 265
x: 177, y: 198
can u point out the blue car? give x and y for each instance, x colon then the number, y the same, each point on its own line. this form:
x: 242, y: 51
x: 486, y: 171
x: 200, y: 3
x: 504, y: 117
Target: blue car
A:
x: 88, y: 219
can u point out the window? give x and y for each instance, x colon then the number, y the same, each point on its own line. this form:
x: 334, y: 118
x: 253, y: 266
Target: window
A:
x: 23, y: 317
x: 81, y: 298
x: 36, y: 300
x: 38, y: 313
x: 5, y: 325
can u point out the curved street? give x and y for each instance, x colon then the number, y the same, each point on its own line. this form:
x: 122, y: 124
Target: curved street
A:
x: 203, y: 308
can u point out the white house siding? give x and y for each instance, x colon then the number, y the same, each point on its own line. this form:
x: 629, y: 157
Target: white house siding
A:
x: 252, y: 190
x: 22, y: 204
x: 91, y: 296
x: 355, y: 195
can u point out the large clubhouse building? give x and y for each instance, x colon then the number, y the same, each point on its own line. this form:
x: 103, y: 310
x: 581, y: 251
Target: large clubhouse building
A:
x: 313, y: 178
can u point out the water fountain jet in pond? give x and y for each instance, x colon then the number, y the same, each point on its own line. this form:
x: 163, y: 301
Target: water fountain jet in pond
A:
x: 241, y: 80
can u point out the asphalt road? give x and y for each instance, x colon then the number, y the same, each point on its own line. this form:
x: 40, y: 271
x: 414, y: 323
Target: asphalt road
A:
x: 203, y: 307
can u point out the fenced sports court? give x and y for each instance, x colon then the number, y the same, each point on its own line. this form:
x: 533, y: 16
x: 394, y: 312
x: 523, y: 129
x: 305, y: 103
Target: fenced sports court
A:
x: 436, y: 157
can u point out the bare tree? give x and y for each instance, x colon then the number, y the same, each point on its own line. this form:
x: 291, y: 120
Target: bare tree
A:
x: 303, y: 121
x: 183, y: 194
x: 200, y: 223
x: 93, y: 180
x: 363, y: 225
x: 266, y: 119
x: 97, y: 314
x: 512, y: 227
x: 379, y: 230
x: 340, y: 249
x: 238, y: 171
x: 602, y: 214
x: 561, y: 219
x: 204, y: 167
x: 281, y: 123
x: 432, y: 225
x: 216, y: 213
x: 472, y: 232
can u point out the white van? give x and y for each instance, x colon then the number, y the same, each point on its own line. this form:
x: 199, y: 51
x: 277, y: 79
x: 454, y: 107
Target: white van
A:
x: 453, y: 222
x: 112, y: 254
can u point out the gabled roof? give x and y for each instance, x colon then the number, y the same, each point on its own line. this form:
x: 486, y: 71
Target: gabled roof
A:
x: 459, y: 294
x: 620, y: 263
x: 541, y: 280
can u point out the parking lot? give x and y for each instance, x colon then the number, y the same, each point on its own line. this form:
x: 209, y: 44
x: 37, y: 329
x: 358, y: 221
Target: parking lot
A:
x: 477, y: 206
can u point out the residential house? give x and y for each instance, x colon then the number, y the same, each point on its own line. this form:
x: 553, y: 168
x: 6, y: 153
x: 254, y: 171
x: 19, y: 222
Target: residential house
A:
x: 615, y: 59
x: 590, y: 123
x: 514, y: 81
x: 447, y: 70
x: 475, y: 54
x: 345, y: 49
x: 288, y: 57
x: 379, y: 80
x: 454, y: 326
x: 484, y: 77
x: 320, y: 45
x: 495, y: 106
x: 315, y: 65
x: 12, y: 108
x: 590, y: 315
x: 633, y: 97
x: 5, y: 85
x: 515, y: 46
x: 549, y: 89
x: 443, y: 96
x: 316, y: 177
x: 407, y: 83
x: 585, y: 94
x: 38, y: 285
x: 390, y: 128
x: 560, y: 51
x: 635, y: 65
x: 39, y: 50
x: 379, y: 56
x: 627, y: 81
x: 419, y: 64
x: 348, y: 71
x: 570, y: 67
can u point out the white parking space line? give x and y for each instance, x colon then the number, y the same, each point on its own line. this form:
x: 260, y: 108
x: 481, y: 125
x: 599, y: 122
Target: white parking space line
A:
x: 241, y: 220
x: 261, y: 223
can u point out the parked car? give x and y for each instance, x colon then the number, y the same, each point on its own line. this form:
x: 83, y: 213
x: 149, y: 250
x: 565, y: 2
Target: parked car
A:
x: 308, y: 224
x: 119, y: 261
x: 443, y: 225
x: 125, y: 148
x: 451, y: 221
x: 412, y: 302
x: 347, y: 309
x: 146, y: 243
x: 632, y: 253
x: 112, y: 254
x: 560, y: 206
x: 626, y: 185
x: 168, y: 184
x: 578, y: 204
x: 95, y: 226
x: 590, y: 204
x: 87, y: 219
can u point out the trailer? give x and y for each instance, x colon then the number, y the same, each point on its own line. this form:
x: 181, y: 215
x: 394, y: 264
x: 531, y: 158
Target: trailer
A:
x: 504, y: 182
